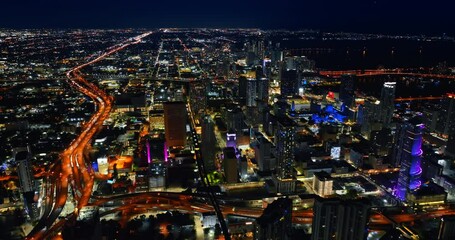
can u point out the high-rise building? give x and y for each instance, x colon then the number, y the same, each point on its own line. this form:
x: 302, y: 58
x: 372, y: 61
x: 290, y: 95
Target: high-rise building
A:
x: 234, y: 118
x: 243, y: 167
x: 22, y: 156
x: 230, y: 165
x: 387, y: 103
x: 322, y: 184
x: 446, y: 123
x: 243, y: 84
x: 340, y: 220
x: 447, y: 228
x: 368, y: 116
x: 262, y: 154
x: 198, y: 98
x: 408, y: 155
x: 263, y: 89
x: 208, y: 143
x: 175, y: 123
x: 285, y: 144
x: 450, y: 148
x: 347, y: 89
x: 276, y: 221
x: 258, y: 47
x: 289, y: 82
x: 251, y: 92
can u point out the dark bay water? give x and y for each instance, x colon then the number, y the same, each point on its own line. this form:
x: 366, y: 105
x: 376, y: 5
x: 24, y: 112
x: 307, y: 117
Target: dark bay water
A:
x: 373, y: 54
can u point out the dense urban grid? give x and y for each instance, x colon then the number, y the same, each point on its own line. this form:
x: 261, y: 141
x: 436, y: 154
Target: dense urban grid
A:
x: 226, y: 134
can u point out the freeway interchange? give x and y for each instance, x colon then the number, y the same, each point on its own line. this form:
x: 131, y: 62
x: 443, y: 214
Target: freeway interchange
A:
x: 71, y: 169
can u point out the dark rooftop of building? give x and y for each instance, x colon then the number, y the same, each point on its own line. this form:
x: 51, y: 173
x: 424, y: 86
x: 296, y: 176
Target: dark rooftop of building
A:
x: 286, y: 121
x: 229, y: 153
x: 429, y: 189
x: 323, y: 176
x: 275, y: 211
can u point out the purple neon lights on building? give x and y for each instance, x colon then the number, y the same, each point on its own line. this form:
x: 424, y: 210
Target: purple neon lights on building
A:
x: 149, y: 154
x: 166, y: 155
x: 410, y: 146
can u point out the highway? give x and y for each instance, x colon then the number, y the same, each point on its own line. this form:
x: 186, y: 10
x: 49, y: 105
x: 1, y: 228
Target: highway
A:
x: 71, y: 169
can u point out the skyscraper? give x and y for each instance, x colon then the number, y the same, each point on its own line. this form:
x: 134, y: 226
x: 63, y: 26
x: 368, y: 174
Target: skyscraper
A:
x: 197, y: 97
x: 230, y: 165
x: 447, y: 228
x: 446, y: 123
x: 276, y: 221
x: 175, y: 123
x: 263, y: 89
x: 387, y: 103
x: 450, y: 148
x: 262, y: 154
x: 368, y: 116
x: 347, y: 89
x: 243, y: 84
x: 408, y: 155
x: 251, y: 92
x: 289, y: 82
x: 340, y: 220
x: 285, y: 143
x: 208, y: 142
x: 22, y: 157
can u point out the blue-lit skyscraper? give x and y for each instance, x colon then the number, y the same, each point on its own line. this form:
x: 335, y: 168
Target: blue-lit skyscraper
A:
x: 408, y: 154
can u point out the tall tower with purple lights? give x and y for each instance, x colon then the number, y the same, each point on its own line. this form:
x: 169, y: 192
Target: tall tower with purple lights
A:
x: 408, y: 154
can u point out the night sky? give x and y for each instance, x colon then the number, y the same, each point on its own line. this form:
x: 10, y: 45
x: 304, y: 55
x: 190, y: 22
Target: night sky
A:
x: 388, y: 16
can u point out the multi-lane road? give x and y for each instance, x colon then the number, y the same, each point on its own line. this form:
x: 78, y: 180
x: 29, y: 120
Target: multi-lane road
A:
x: 72, y: 170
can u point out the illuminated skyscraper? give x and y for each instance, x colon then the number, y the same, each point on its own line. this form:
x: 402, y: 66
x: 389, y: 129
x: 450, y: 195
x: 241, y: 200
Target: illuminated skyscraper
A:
x: 22, y: 157
x: 322, y: 184
x: 387, y: 103
x: 285, y: 143
x: 251, y: 92
x: 197, y: 97
x: 408, y: 155
x: 263, y: 89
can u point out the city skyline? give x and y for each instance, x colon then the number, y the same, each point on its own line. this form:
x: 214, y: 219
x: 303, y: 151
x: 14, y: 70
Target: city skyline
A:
x: 384, y: 16
x: 202, y: 120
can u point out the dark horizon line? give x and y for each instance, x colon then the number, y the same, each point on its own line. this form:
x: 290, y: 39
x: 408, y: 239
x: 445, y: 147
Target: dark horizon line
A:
x: 290, y: 29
